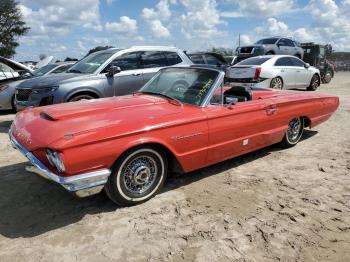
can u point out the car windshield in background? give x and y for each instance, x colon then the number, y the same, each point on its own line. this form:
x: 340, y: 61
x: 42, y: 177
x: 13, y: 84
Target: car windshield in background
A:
x: 43, y: 70
x: 267, y: 41
x: 187, y: 85
x: 91, y: 63
x: 254, y: 61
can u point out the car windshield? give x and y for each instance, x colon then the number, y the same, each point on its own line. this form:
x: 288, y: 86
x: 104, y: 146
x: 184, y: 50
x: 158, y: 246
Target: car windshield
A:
x: 254, y: 61
x: 186, y: 85
x: 267, y: 41
x: 43, y: 70
x: 91, y: 63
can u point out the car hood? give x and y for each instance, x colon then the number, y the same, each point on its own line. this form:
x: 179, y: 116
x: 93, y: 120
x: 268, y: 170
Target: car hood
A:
x: 48, y: 81
x: 70, y: 124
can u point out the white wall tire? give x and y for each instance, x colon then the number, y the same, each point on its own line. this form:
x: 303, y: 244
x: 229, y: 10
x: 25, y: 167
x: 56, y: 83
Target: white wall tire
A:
x: 294, y: 132
x: 137, y: 176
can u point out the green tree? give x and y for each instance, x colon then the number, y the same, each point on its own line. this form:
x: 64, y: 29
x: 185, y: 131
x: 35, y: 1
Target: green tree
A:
x: 98, y: 48
x: 11, y: 27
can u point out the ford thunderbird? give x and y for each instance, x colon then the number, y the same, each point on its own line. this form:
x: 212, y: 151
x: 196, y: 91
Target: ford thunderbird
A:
x: 183, y: 119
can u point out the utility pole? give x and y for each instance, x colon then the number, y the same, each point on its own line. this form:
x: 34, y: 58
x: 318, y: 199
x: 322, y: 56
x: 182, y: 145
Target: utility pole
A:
x: 239, y: 40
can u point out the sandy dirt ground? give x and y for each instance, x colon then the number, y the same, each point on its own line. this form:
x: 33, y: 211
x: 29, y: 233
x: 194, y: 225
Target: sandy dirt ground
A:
x: 270, y: 205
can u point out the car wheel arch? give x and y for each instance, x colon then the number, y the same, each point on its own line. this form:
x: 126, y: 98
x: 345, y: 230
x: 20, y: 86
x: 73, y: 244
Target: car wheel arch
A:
x: 93, y: 93
x: 174, y: 164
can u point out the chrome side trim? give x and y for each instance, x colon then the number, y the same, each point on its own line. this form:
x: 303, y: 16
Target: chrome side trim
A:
x: 72, y: 183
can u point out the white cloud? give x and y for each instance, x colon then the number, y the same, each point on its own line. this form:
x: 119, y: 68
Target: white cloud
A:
x: 201, y: 19
x: 125, y: 25
x: 159, y: 30
x: 155, y: 17
x: 273, y: 27
x: 61, y: 16
x: 261, y: 8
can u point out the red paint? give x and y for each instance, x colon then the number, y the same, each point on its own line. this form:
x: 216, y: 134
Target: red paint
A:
x: 101, y: 130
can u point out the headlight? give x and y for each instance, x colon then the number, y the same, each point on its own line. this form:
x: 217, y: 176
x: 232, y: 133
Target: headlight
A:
x: 3, y: 87
x: 44, y: 90
x: 55, y: 160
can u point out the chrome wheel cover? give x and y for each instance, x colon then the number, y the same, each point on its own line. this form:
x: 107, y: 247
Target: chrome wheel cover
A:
x: 294, y: 130
x: 277, y: 83
x: 139, y: 174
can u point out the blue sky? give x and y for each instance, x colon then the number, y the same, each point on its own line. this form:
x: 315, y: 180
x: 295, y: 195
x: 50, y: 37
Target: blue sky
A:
x: 70, y: 28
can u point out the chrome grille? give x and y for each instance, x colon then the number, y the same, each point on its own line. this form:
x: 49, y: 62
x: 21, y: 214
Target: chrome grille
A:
x: 23, y: 94
x: 246, y: 50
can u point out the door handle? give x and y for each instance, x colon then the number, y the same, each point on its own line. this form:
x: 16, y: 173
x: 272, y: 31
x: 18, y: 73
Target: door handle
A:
x: 271, y: 110
x: 136, y: 74
x: 282, y: 70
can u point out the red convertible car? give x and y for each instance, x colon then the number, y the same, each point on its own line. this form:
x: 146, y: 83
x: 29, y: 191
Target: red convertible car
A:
x: 183, y: 119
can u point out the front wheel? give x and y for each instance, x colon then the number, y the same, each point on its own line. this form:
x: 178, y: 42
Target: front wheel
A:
x: 137, y: 176
x: 293, y: 133
x: 81, y: 97
x: 315, y: 82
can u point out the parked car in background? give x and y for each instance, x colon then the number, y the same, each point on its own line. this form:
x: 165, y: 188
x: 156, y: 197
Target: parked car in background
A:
x: 10, y: 69
x: 208, y: 58
x: 112, y: 72
x: 127, y: 145
x: 275, y: 71
x: 270, y: 46
x: 7, y: 89
x: 316, y: 55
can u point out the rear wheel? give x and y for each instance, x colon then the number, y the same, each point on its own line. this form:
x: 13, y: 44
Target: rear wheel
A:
x: 81, y: 97
x: 276, y: 83
x: 315, y: 82
x: 137, y: 176
x: 270, y: 53
x: 293, y: 133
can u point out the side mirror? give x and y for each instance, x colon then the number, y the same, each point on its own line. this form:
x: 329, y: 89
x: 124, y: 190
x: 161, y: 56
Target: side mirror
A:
x: 307, y: 65
x: 113, y: 70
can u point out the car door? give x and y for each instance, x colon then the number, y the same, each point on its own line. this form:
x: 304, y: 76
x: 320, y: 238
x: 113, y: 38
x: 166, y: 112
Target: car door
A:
x: 240, y: 128
x: 283, y: 47
x: 302, y: 74
x: 291, y: 47
x: 129, y: 79
x: 285, y: 70
x: 151, y: 62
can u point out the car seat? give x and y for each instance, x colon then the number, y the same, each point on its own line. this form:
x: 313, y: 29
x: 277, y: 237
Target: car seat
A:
x: 237, y: 93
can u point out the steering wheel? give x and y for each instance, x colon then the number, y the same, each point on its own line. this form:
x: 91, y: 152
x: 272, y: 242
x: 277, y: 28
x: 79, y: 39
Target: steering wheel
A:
x: 179, y: 86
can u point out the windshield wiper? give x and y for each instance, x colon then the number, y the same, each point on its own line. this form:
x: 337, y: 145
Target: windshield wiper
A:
x: 74, y: 71
x: 160, y: 94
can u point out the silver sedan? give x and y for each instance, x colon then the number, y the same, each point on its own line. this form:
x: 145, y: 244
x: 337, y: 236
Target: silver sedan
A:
x: 7, y: 90
x: 274, y: 71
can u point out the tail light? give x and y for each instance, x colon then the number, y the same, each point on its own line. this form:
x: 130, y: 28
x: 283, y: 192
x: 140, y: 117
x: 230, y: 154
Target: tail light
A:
x: 257, y: 73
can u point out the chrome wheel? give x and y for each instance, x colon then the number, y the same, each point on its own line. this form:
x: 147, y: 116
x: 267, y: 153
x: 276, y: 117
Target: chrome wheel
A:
x: 140, y: 174
x: 276, y: 83
x: 137, y: 176
x: 294, y: 130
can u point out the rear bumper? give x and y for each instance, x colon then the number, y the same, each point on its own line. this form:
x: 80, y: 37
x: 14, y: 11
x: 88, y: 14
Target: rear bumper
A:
x: 81, y: 185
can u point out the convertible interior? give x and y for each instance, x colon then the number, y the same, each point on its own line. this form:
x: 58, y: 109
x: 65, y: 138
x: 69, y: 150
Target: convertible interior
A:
x: 238, y: 94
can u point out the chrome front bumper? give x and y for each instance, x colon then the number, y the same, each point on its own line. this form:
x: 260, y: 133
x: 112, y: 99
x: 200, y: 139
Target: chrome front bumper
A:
x: 81, y: 185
